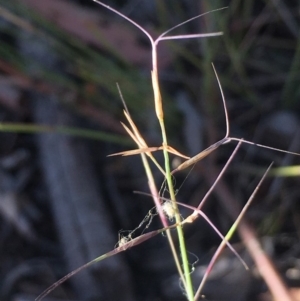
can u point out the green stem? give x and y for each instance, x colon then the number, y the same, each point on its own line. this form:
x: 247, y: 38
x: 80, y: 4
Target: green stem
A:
x: 183, y: 251
x: 154, y: 193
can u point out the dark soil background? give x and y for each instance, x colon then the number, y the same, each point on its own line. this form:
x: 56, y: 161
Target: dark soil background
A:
x: 63, y: 202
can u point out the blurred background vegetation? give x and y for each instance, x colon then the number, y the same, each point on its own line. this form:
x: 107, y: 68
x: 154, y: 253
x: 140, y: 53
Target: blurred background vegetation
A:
x: 82, y: 50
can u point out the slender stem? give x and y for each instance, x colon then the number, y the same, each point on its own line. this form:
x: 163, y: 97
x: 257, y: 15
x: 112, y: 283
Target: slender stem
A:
x: 183, y: 251
x: 187, y: 281
x: 155, y: 195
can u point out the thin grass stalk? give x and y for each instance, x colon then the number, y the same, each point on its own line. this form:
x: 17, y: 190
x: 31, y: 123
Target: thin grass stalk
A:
x: 229, y: 234
x: 155, y: 196
x: 182, y: 245
x: 183, y: 251
x: 136, y: 136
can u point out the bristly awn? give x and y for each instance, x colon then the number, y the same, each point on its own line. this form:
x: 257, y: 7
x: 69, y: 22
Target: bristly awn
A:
x: 224, y: 140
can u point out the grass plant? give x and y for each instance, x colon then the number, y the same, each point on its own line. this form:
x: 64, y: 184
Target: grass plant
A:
x: 168, y: 208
